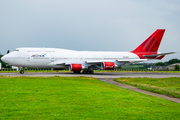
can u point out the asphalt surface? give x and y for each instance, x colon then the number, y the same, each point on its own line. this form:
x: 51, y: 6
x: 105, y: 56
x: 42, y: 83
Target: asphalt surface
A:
x: 99, y: 75
x: 108, y: 77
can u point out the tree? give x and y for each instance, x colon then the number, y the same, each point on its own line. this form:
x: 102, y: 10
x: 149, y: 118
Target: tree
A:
x: 177, y: 67
x: 172, y: 61
x: 8, y: 51
x: 160, y: 64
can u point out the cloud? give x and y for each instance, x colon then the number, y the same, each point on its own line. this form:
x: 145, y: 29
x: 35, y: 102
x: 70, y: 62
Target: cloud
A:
x: 101, y: 25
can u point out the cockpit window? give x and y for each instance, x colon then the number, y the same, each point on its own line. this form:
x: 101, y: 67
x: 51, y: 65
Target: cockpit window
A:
x: 16, y: 49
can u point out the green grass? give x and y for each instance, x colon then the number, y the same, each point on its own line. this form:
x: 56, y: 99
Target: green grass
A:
x: 77, y: 98
x: 167, y: 86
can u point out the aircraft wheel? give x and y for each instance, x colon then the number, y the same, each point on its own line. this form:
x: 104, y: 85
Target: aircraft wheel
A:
x: 21, y: 71
x: 84, y: 72
x: 88, y: 72
x: 77, y: 71
x: 92, y: 72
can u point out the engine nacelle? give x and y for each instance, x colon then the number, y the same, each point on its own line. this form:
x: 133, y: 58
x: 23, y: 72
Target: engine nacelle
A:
x: 77, y: 67
x: 108, y: 65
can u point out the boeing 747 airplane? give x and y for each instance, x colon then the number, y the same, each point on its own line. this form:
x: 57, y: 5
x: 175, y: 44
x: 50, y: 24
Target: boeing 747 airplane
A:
x: 85, y: 60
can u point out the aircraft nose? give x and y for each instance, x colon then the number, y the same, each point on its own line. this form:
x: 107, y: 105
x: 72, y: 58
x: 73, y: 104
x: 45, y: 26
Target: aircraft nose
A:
x: 3, y: 59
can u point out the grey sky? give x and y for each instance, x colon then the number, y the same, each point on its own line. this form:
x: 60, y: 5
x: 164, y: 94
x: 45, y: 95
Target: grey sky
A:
x: 95, y: 25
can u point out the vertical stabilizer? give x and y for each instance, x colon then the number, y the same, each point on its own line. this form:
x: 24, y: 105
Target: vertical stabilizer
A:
x: 151, y: 44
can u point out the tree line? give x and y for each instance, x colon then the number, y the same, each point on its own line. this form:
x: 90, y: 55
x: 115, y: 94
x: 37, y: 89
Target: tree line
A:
x: 172, y: 61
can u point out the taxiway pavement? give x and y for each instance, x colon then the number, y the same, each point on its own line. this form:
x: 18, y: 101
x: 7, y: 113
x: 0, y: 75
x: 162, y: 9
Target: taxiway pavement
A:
x: 98, y: 74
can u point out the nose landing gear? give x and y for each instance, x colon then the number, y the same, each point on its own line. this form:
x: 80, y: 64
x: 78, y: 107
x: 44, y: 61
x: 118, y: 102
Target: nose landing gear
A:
x: 21, y: 70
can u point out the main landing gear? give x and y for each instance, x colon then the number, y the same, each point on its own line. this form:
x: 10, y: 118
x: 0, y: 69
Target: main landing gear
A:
x: 77, y: 72
x: 88, y: 71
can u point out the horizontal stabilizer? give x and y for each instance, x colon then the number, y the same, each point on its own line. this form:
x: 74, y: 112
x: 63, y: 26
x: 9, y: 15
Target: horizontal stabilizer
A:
x: 157, y: 55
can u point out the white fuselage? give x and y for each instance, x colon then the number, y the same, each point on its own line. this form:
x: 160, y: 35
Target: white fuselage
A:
x: 60, y: 58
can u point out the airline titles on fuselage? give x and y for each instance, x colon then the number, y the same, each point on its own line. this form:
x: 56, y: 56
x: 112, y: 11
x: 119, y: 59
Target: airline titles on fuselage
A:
x: 36, y: 55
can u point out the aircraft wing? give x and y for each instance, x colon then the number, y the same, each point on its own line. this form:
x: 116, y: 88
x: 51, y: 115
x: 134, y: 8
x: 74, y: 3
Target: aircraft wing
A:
x: 97, y: 63
x: 122, y: 61
x: 57, y: 63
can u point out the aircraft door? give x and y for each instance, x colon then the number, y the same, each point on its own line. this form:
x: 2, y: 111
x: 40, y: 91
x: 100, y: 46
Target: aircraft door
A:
x: 28, y: 58
x: 81, y: 58
x: 52, y: 58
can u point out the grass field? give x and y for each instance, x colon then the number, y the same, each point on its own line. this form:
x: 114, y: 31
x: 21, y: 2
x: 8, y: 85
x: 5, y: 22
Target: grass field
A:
x: 77, y: 98
x: 167, y: 86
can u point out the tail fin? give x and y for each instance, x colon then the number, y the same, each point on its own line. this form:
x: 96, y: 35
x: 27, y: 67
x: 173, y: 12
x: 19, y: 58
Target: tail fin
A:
x: 151, y: 44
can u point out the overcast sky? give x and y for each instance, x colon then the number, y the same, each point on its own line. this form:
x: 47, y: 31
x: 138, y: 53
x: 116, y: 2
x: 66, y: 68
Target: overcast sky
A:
x: 94, y: 25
